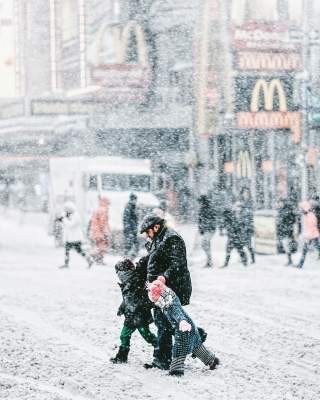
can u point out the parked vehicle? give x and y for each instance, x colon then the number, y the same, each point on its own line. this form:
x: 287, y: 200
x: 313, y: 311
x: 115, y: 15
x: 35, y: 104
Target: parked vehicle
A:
x: 83, y: 180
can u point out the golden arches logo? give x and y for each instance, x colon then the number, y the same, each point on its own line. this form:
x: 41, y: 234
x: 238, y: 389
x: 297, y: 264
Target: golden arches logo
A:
x: 121, y: 37
x: 268, y: 91
x: 244, y: 165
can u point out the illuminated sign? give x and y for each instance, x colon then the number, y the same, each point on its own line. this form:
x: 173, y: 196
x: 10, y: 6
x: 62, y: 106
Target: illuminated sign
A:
x: 267, y: 61
x: 253, y: 94
x: 263, y: 36
x: 271, y: 120
x: 244, y: 165
x: 268, y: 89
x: 116, y: 65
x: 268, y: 108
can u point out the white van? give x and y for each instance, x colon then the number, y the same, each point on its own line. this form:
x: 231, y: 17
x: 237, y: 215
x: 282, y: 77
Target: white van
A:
x: 83, y: 180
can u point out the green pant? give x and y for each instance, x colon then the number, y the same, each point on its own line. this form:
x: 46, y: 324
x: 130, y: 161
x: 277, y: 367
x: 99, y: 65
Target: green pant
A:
x: 144, y: 331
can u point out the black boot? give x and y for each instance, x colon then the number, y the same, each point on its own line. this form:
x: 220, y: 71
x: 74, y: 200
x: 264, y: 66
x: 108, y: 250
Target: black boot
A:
x: 176, y: 373
x: 157, y: 361
x: 214, y: 363
x: 121, y: 356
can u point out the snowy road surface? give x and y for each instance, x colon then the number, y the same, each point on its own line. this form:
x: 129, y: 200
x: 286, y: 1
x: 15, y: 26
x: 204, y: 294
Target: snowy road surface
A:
x: 58, y: 328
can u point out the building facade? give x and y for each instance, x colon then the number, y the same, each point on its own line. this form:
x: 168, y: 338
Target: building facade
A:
x: 104, y: 77
x: 264, y: 141
x: 218, y: 94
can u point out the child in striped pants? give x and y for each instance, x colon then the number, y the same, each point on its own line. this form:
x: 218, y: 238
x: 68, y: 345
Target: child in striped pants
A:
x: 186, y: 336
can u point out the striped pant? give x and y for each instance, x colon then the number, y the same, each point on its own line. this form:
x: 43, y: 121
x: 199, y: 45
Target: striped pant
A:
x: 201, y: 352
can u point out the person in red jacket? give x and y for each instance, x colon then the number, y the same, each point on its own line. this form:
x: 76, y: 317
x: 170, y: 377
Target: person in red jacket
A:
x: 100, y: 230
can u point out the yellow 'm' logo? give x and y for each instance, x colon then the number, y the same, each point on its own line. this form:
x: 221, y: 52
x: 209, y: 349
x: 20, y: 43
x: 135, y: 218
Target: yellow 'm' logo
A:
x: 244, y: 166
x: 121, y: 39
x: 268, y: 90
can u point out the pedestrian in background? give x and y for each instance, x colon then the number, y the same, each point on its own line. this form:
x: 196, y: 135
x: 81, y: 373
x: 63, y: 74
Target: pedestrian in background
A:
x: 287, y: 219
x: 100, y: 230
x: 130, y: 227
x: 310, y: 231
x: 207, y: 220
x: 73, y: 236
x: 316, y: 209
x: 247, y: 221
x: 162, y: 212
x: 234, y: 236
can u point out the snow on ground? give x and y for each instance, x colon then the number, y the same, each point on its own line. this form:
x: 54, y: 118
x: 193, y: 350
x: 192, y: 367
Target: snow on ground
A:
x: 59, y: 327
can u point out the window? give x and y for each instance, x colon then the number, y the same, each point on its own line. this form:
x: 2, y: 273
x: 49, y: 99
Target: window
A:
x: 121, y: 182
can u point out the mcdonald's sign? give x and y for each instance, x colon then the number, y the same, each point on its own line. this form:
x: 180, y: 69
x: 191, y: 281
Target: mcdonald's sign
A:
x: 118, y: 72
x: 265, y: 98
x: 244, y: 164
x: 268, y: 61
x: 268, y: 90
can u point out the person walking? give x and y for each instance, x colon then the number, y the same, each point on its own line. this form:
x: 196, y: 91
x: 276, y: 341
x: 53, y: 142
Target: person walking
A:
x: 187, y: 339
x: 246, y: 221
x: 207, y: 220
x: 234, y: 237
x: 287, y: 220
x: 100, y: 230
x: 130, y: 227
x: 311, y: 234
x: 166, y: 257
x: 316, y: 209
x: 135, y: 307
x: 73, y: 236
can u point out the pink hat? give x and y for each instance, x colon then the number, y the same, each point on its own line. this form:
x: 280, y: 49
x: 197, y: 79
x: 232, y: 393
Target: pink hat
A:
x: 156, y: 288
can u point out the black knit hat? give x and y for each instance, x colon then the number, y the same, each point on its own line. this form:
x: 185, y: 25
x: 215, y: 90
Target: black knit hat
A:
x: 149, y: 221
x: 125, y: 265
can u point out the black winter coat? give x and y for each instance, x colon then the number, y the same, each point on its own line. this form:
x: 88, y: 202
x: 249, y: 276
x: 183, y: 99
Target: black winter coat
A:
x: 287, y: 218
x: 233, y: 228
x: 130, y: 219
x: 246, y: 220
x: 316, y: 210
x: 136, y: 307
x: 167, y: 257
x: 207, y: 217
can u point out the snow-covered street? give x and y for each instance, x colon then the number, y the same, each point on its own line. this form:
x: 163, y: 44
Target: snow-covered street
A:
x: 59, y: 327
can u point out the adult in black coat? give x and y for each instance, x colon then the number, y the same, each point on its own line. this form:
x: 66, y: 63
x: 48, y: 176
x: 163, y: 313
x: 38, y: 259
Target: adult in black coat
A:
x: 235, y: 237
x: 166, y: 258
x: 136, y: 307
x: 246, y: 221
x: 130, y: 227
x: 207, y: 221
x: 287, y: 219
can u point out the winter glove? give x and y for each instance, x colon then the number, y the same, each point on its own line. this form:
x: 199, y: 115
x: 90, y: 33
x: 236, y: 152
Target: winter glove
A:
x: 184, y: 326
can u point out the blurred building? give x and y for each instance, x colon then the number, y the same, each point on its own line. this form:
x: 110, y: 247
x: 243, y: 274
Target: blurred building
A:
x: 217, y: 93
x: 265, y: 141
x: 103, y: 77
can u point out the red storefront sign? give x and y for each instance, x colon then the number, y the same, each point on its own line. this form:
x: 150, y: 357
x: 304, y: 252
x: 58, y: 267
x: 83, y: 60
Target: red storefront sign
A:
x: 263, y: 36
x: 271, y: 120
x: 121, y: 75
x: 268, y: 61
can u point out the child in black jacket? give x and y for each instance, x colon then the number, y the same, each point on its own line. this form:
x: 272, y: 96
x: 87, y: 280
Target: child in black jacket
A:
x: 135, y: 306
